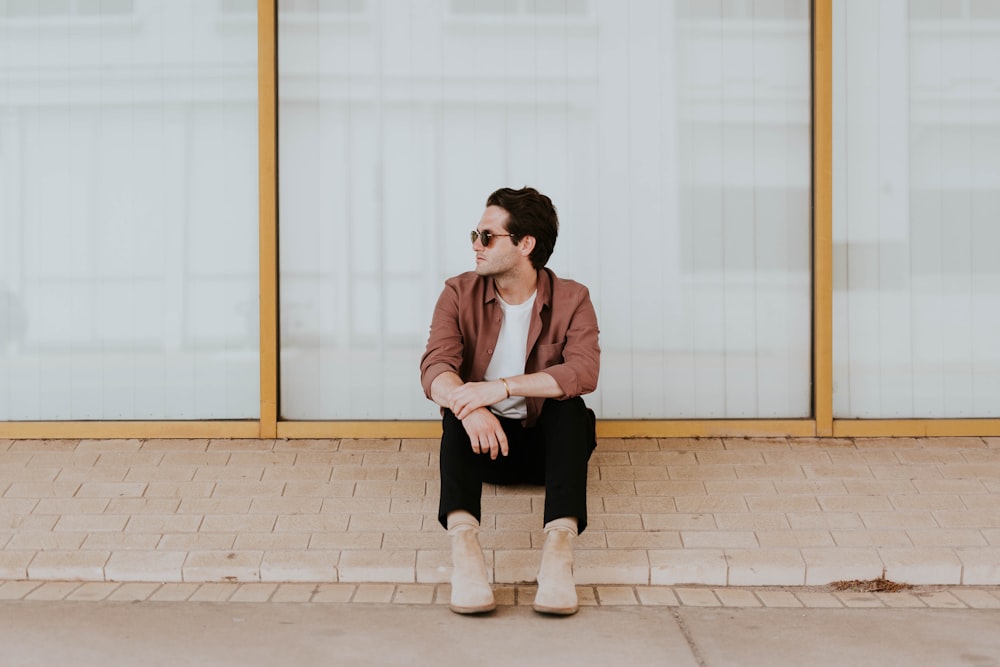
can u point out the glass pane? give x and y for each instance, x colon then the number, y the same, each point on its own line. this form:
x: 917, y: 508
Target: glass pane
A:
x: 673, y: 138
x: 128, y: 214
x: 36, y: 8
x: 917, y: 188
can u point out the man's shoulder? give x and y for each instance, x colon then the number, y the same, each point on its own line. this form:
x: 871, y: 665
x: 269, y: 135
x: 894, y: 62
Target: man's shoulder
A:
x: 466, y: 283
x: 467, y: 286
x: 466, y: 278
x: 565, y: 285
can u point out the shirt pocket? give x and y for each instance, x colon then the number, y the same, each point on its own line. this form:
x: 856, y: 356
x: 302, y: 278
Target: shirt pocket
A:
x: 549, y: 354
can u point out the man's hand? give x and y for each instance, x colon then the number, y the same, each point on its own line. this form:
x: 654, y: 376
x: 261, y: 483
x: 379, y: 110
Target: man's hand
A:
x: 468, y: 401
x: 471, y: 396
x: 485, y: 433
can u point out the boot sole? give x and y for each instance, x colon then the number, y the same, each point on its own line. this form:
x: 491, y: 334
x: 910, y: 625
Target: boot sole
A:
x: 555, y: 611
x: 484, y: 609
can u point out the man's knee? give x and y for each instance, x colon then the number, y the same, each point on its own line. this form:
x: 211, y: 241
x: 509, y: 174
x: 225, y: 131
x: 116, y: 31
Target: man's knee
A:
x: 448, y: 419
x: 570, y: 416
x: 571, y: 409
x: 452, y: 430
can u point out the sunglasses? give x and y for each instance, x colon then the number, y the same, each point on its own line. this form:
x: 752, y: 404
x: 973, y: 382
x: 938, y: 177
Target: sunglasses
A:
x: 486, y: 237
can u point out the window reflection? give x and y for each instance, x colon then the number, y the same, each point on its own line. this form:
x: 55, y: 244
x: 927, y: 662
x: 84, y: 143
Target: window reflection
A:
x: 673, y: 137
x: 64, y: 8
x: 128, y: 214
x: 916, y: 134
x: 560, y: 9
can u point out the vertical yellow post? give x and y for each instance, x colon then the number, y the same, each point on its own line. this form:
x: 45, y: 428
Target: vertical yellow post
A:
x: 823, y: 216
x: 267, y: 134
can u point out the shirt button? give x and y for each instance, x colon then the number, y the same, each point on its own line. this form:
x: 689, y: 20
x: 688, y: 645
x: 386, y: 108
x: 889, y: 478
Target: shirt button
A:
x: 489, y: 351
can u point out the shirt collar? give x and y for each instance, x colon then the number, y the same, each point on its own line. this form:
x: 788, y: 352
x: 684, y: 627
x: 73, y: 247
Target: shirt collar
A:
x: 544, y: 287
x: 543, y: 296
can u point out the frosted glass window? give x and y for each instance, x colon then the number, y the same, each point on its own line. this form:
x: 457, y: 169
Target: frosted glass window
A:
x: 673, y: 138
x: 128, y: 211
x: 916, y: 196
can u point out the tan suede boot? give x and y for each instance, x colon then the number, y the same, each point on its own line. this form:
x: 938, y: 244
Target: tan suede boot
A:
x: 470, y: 586
x: 556, y: 590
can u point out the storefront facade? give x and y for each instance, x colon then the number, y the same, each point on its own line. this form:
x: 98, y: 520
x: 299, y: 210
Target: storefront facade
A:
x: 232, y: 218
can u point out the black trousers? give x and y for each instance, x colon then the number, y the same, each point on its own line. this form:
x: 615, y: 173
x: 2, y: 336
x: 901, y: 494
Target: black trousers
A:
x: 554, y: 453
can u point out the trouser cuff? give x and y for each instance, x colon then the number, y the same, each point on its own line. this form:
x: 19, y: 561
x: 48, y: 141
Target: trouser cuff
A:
x: 567, y: 523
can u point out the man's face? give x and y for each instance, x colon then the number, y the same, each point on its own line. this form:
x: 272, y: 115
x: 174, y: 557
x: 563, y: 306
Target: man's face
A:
x: 502, y: 255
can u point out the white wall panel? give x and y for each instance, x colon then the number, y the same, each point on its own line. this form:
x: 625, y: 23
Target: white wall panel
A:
x: 915, y: 194
x: 128, y: 211
x: 673, y: 138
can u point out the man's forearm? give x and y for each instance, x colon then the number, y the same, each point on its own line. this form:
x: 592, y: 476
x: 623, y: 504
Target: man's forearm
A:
x: 442, y: 387
x: 537, y: 385
x: 448, y: 391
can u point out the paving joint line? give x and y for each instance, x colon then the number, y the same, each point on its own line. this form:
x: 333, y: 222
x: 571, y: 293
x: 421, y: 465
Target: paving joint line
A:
x: 927, y: 597
x: 692, y: 644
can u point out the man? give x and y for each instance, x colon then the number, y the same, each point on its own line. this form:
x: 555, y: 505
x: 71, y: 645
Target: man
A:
x: 511, y: 350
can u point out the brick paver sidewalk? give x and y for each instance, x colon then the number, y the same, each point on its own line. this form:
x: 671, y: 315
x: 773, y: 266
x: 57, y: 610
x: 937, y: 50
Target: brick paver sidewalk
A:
x: 663, y: 512
x: 928, y: 597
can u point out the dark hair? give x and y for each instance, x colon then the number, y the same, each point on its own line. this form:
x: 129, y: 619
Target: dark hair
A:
x: 531, y: 214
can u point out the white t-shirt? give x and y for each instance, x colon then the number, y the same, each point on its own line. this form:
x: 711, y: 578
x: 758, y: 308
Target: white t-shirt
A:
x: 510, y: 354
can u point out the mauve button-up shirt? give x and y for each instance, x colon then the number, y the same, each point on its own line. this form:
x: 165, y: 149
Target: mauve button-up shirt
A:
x: 562, y: 336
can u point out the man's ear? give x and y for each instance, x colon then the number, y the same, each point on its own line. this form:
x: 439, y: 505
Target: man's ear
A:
x: 527, y: 245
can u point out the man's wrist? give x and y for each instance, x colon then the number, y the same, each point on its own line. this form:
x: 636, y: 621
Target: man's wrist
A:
x: 506, y: 387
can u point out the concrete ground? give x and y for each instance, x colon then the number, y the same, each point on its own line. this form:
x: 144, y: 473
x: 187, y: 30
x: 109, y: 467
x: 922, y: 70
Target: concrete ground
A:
x: 243, y: 634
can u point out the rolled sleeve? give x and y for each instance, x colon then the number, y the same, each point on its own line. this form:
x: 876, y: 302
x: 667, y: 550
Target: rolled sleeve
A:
x: 578, y: 371
x: 444, y: 343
